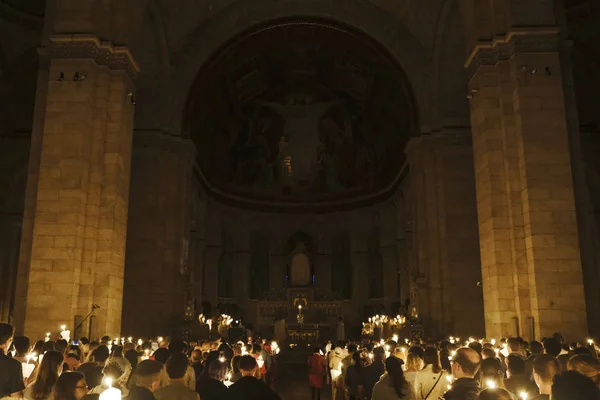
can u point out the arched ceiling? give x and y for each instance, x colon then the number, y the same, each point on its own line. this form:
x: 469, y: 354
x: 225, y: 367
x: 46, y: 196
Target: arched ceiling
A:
x: 300, y: 113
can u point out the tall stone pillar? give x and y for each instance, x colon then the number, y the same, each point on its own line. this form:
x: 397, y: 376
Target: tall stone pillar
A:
x: 530, y: 257
x: 9, y: 255
x: 157, y: 275
x: 73, y: 241
x: 447, y: 269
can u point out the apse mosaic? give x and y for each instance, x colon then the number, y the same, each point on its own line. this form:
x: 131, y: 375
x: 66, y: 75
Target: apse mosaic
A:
x: 300, y: 112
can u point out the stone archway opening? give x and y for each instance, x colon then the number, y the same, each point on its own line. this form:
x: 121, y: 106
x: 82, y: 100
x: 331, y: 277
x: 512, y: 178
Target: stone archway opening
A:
x: 300, y: 113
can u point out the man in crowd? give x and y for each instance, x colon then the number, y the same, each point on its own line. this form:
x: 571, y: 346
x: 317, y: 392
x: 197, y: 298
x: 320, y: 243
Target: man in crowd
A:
x: 464, y: 368
x: 518, y: 382
x: 571, y: 385
x: 545, y: 367
x: 146, y: 380
x: 197, y: 365
x: 373, y: 372
x: 11, y: 372
x: 177, y: 388
x: 21, y: 344
x: 248, y: 387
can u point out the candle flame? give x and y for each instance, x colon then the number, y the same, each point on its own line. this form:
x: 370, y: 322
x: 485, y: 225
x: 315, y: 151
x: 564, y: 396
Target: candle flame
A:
x: 523, y: 395
x: 108, y: 382
x: 63, y: 327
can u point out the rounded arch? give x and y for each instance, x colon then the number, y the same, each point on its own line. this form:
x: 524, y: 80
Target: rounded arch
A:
x: 374, y: 23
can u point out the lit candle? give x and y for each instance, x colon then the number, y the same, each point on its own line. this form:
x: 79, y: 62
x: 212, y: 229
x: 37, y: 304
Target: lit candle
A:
x: 371, y: 356
x: 111, y: 393
x: 406, y: 341
x: 260, y: 362
x: 65, y: 334
x: 147, y: 355
x: 159, y: 339
x: 590, y: 342
x: 130, y: 339
x: 493, y: 342
x: 395, y: 338
x: 140, y: 342
x: 222, y: 359
x: 491, y: 384
x: 523, y: 395
x: 47, y: 339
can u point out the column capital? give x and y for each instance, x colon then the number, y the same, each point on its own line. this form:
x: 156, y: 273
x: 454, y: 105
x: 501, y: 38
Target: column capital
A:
x: 503, y: 47
x: 82, y: 46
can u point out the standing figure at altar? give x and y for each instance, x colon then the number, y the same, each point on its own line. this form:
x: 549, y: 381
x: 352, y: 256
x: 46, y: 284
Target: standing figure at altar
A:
x: 340, y: 330
x: 317, y: 367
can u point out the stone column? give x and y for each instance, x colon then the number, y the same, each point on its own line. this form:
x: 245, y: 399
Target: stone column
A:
x: 9, y: 255
x: 530, y: 255
x: 78, y: 188
x: 157, y: 274
x: 447, y: 268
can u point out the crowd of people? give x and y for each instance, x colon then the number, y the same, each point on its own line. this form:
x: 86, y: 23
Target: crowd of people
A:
x: 511, y: 369
x: 144, y: 370
x: 163, y: 369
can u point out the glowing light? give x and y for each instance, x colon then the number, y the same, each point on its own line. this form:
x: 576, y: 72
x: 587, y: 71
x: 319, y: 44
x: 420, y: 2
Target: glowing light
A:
x: 63, y: 327
x: 406, y: 341
x: 371, y: 356
x: 395, y: 338
x: 130, y: 339
x: 523, y: 395
x: 47, y: 339
x: 140, y: 342
x: 491, y: 384
x: 160, y: 339
x: 108, y: 382
x: 493, y: 342
x: 222, y: 359
x: 449, y: 378
x: 590, y: 341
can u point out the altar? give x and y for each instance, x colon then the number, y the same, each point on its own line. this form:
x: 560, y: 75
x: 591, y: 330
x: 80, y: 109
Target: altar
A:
x: 304, y: 334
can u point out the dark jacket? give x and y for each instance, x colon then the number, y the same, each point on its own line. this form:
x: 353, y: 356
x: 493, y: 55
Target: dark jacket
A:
x: 463, y: 389
x: 140, y: 393
x: 250, y: 388
x: 521, y: 383
x: 212, y: 389
x: 371, y: 375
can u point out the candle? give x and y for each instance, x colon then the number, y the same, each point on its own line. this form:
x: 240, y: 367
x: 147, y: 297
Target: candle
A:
x: 140, y: 342
x: 111, y: 393
x: 491, y: 384
x: 65, y: 334
x: 523, y: 395
x: 47, y: 339
x: 222, y: 359
x: 395, y: 338
x: 159, y: 339
x: 590, y: 341
x: 493, y: 341
x: 260, y: 362
x: 147, y: 355
x: 371, y: 356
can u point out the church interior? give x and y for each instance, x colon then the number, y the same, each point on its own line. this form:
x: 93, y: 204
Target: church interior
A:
x: 435, y: 159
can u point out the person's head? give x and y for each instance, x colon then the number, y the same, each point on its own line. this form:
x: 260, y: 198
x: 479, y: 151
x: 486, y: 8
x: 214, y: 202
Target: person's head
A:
x: 212, y: 357
x: 558, y: 337
x: 552, y: 346
x: 217, y: 370
x: 418, y: 350
x: 545, y: 367
x: 147, y: 374
x: 393, y: 367
x: 585, y: 365
x: 491, y: 370
x: 49, y: 345
x: 478, y: 347
x: 514, y: 344
x: 466, y: 363
x: 38, y: 346
x: 316, y: 349
x: 132, y: 356
x: 177, y: 366
x: 7, y: 331
x: 47, y: 375
x: 536, y: 347
x: 118, y: 369
x: 72, y: 360
x: 356, y: 360
x: 162, y: 355
x: 256, y: 349
x: 515, y: 365
x: 495, y: 394
x: 177, y: 346
x: 414, y: 362
x: 378, y: 354
x: 235, y: 363
x: 488, y: 353
x: 196, y: 356
x: 432, y: 357
x: 352, y: 348
x: 247, y: 365
x: 69, y: 386
x: 21, y: 344
x: 61, y: 345
x: 571, y: 384
x: 100, y: 355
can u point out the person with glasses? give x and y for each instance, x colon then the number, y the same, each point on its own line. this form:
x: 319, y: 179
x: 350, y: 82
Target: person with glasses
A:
x: 70, y: 386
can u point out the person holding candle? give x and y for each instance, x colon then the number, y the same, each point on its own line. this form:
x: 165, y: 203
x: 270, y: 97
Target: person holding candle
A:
x: 21, y: 345
x: 317, y: 368
x: 373, y: 372
x: 492, y: 374
x: 11, y: 378
x: 393, y: 385
x: 118, y: 370
x: 214, y: 388
x: 69, y: 386
x: 46, y: 376
x: 430, y: 381
x: 518, y: 381
x: 92, y: 369
x: 465, y: 365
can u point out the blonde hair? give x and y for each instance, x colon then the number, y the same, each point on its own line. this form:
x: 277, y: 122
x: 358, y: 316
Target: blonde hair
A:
x: 414, y: 362
x: 585, y: 365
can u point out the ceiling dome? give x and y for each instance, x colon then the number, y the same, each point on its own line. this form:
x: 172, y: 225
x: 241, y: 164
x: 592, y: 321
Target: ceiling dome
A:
x: 300, y: 115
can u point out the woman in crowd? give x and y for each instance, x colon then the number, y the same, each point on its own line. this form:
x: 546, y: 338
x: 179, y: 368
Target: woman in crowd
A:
x: 118, y: 370
x: 431, y: 381
x: 393, y: 385
x: 46, y: 376
x: 414, y: 364
x: 235, y: 369
x: 70, y: 386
